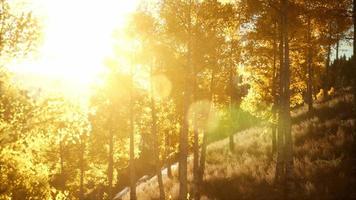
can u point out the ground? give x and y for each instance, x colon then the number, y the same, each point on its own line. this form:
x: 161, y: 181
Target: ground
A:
x: 324, y: 160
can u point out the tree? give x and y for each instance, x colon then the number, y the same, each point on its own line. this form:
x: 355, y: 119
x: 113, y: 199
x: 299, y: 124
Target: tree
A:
x: 132, y: 142
x: 146, y: 31
x: 284, y: 159
x: 309, y: 65
x: 354, y: 47
x: 180, y: 26
x: 19, y: 32
x: 262, y: 65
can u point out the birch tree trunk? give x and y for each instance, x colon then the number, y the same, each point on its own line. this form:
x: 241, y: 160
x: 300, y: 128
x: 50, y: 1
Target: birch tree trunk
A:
x: 279, y: 176
x: 354, y: 53
x: 337, y: 45
x: 183, y: 148
x: 354, y: 22
x: 156, y: 142
x: 111, y: 163
x: 196, y: 141
x: 274, y: 93
x: 132, y: 143
x: 205, y: 140
x: 61, y: 155
x: 231, y: 106
x: 196, y: 158
x: 167, y: 155
x: 327, y: 64
x: 286, y: 110
x: 310, y: 70
x: 81, y: 160
x: 183, y: 137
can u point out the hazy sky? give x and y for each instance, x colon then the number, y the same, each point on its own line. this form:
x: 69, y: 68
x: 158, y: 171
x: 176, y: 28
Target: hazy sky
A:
x: 77, y: 38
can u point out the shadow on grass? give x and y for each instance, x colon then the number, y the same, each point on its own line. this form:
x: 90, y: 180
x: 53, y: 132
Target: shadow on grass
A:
x: 326, y: 165
x: 242, y: 187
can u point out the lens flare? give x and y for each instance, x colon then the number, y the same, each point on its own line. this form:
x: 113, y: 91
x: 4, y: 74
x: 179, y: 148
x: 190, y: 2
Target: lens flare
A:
x: 203, y: 116
x: 162, y: 86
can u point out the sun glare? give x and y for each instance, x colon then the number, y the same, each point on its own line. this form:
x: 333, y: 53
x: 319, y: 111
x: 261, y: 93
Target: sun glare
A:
x: 77, y: 37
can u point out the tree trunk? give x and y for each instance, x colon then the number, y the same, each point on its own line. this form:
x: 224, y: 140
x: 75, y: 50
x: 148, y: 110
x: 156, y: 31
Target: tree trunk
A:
x: 196, y: 162
x: 167, y: 155
x: 231, y: 85
x: 202, y: 164
x: 111, y: 163
x: 286, y: 111
x: 156, y: 143
x: 169, y: 169
x: 327, y: 65
x: 354, y: 22
x: 231, y: 143
x: 279, y: 176
x: 284, y: 166
x: 337, y: 45
x: 183, y: 148
x: 132, y: 143
x: 81, y: 166
x: 183, y: 137
x: 310, y: 70
x: 195, y: 143
x: 354, y: 53
x: 274, y: 138
x: 205, y: 140
x: 61, y: 156
x: 274, y: 94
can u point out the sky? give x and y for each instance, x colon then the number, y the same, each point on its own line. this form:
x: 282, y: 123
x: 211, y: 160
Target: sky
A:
x: 77, y: 39
x: 345, y: 49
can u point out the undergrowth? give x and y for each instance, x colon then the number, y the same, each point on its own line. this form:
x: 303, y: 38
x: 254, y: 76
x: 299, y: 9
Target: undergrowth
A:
x: 324, y: 160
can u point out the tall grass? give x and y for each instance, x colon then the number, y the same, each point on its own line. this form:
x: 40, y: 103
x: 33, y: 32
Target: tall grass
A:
x: 323, y: 160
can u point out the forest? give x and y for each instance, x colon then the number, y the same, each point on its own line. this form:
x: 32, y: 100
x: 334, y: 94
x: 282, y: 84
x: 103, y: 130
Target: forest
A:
x: 177, y: 99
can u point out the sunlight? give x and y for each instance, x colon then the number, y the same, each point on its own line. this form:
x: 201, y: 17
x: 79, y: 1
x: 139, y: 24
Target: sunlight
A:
x: 204, y: 115
x: 77, y: 37
x: 177, y: 99
x: 161, y: 86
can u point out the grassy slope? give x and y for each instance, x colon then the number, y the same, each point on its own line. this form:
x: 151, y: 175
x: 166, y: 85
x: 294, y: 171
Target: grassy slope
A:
x: 324, y: 160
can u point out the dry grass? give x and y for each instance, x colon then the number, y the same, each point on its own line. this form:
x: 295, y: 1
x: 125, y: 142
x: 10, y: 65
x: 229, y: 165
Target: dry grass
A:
x: 323, y: 164
x: 320, y: 104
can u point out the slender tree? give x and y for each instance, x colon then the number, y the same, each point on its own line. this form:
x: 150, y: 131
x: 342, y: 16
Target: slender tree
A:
x: 280, y: 137
x: 81, y: 167
x: 111, y: 163
x: 232, y: 88
x: 354, y: 50
x: 155, y: 138
x: 274, y: 90
x: 284, y: 167
x: 183, y: 141
x: 132, y: 138
x: 309, y: 65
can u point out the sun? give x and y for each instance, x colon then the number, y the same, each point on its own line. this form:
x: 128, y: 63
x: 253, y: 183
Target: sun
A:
x: 78, y: 36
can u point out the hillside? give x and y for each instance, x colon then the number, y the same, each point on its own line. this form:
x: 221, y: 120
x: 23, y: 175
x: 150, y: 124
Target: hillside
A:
x: 241, y: 99
x: 324, y: 163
